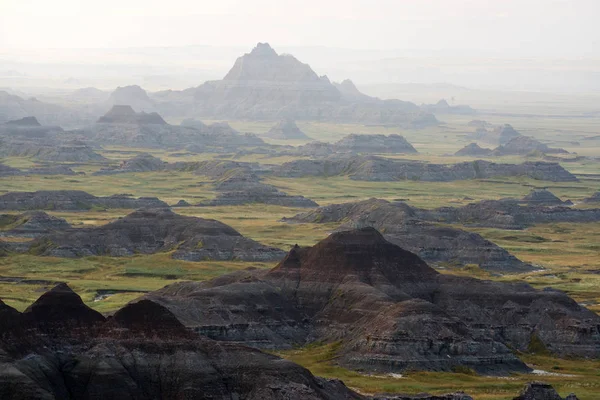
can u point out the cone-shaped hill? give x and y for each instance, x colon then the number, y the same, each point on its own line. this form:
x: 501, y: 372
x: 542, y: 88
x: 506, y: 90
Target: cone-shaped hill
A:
x: 362, y: 255
x: 390, y: 310
x: 286, y: 130
x: 62, y: 349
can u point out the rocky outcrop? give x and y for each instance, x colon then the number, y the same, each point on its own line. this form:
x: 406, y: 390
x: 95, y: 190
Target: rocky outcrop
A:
x: 25, y: 121
x: 240, y: 185
x: 595, y: 198
x: 123, y: 126
x: 402, y: 225
x: 286, y: 130
x: 389, y: 309
x: 31, y: 224
x: 478, y: 123
x: 442, y: 107
x: 5, y: 170
x: 141, y: 163
x: 157, y: 230
x: 473, y: 150
x: 523, y: 145
x: 373, y: 144
x: 124, y: 114
x: 541, y: 391
x: 382, y: 170
x: 13, y: 108
x: 509, y: 214
x: 181, y: 203
x: 71, y: 200
x: 133, y: 96
x: 349, y: 91
x: 500, y: 135
x: 543, y: 197
x: 52, y: 151
x: 264, y: 85
x: 4, y: 251
x: 61, y: 349
x: 314, y: 149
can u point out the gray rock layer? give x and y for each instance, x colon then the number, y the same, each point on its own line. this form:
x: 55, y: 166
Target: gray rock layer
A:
x: 71, y: 200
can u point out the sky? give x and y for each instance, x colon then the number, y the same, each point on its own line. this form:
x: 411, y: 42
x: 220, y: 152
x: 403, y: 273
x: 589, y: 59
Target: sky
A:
x: 513, y: 27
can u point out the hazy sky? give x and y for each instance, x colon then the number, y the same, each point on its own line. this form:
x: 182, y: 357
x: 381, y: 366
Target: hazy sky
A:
x: 520, y: 27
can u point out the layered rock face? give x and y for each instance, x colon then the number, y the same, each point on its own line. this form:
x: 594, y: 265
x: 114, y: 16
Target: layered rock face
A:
x: 61, y: 349
x: 28, y: 138
x: 541, y: 391
x: 71, y: 200
x: 442, y: 107
x: 595, y: 198
x: 157, y: 230
x: 522, y: 145
x: 141, y: 163
x: 31, y: 224
x: 133, y: 96
x: 509, y: 214
x: 54, y: 152
x: 474, y: 150
x: 286, y: 130
x: 122, y: 125
x: 373, y: 144
x: 242, y: 186
x: 263, y: 85
x: 5, y: 170
x: 25, y: 121
x: 370, y: 168
x: 388, y: 307
x: 124, y: 114
x: 403, y: 226
x: 500, y: 135
x: 542, y: 197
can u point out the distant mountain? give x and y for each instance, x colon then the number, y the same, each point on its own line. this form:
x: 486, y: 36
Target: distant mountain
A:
x: 264, y: 85
x: 123, y: 126
x: 13, y: 107
x: 442, y: 107
x: 124, y: 114
x: 134, y: 96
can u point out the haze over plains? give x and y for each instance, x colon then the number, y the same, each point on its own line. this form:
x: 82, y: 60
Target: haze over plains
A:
x: 550, y: 45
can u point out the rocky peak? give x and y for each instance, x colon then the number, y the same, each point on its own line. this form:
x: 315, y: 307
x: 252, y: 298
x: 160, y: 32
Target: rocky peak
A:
x: 147, y: 316
x: 541, y: 391
x: 263, y: 64
x: 124, y: 114
x: 362, y: 253
x: 542, y: 197
x: 286, y: 129
x: 595, y: 198
x: 143, y: 162
x: 132, y: 91
x: 118, y: 112
x: 473, y: 149
x: 61, y: 305
x: 263, y: 50
x: 26, y: 121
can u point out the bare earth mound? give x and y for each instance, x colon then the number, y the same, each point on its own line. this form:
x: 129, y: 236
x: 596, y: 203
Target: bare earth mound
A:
x: 388, y: 307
